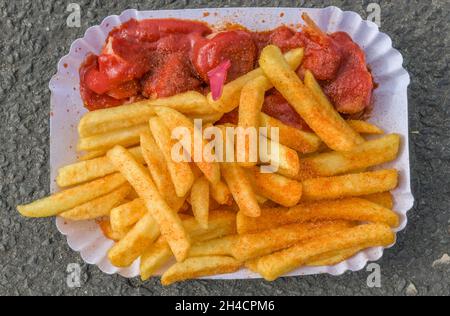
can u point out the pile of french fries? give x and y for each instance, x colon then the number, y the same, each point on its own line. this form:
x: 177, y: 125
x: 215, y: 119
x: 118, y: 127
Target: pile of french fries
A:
x: 322, y: 207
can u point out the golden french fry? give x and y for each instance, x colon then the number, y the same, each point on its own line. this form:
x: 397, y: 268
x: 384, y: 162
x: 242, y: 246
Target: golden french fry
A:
x: 180, y: 172
x: 333, y: 258
x: 116, y: 118
x: 352, y: 209
x: 159, y: 171
x: 105, y: 226
x: 256, y: 245
x: 154, y: 258
x: 191, y: 102
x: 206, y: 118
x: 247, y: 225
x: 251, y: 102
x: 368, y: 154
x: 363, y: 127
x: 99, y: 207
x: 128, y: 214
x: 92, y: 155
x: 241, y: 189
x: 125, y: 116
x: 169, y: 222
x: 133, y: 245
x: 68, y: 199
x: 197, y: 267
x: 221, y: 223
x: 281, y: 159
x: 216, y: 247
x: 232, y: 91
x: 384, y: 199
x: 220, y: 193
x: 301, y: 141
x: 200, y: 201
x: 284, y: 159
x: 174, y: 120
x: 350, y: 185
x: 319, y: 114
x: 282, y: 190
x: 89, y: 170
x: 125, y: 137
x: 365, y: 236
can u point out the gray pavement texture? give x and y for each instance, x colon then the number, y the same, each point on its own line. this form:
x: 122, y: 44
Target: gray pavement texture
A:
x: 34, y: 257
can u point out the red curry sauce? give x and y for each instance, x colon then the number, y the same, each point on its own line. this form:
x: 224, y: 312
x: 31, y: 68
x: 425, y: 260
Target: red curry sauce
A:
x: 163, y: 57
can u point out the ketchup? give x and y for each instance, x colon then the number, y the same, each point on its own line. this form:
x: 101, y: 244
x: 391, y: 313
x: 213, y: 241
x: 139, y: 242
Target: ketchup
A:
x: 164, y: 57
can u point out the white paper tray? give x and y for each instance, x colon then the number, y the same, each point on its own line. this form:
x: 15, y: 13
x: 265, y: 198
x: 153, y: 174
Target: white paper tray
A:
x: 391, y: 112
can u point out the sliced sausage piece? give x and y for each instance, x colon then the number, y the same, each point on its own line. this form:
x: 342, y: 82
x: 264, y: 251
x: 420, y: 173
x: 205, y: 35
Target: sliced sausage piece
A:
x: 172, y: 77
x: 287, y: 39
x: 351, y: 91
x: 236, y: 46
x: 323, y: 56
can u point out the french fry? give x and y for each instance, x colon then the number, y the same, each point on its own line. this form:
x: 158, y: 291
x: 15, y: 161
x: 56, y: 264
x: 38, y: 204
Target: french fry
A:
x: 256, y: 245
x: 384, y: 199
x: 326, y: 259
x: 275, y: 187
x: 89, y: 170
x: 174, y: 120
x: 105, y: 226
x: 180, y: 172
x: 92, y: 155
x: 301, y: 141
x: 333, y: 258
x: 191, y: 102
x: 350, y: 185
x: 284, y: 158
x: 116, y: 118
x: 368, y: 154
x: 196, y: 267
x: 216, y: 247
x: 133, y: 245
x: 352, y: 209
x: 232, y: 91
x: 128, y: 214
x: 220, y: 193
x: 68, y: 199
x: 159, y: 171
x: 251, y: 102
x: 318, y: 113
x: 363, y: 127
x: 200, y: 201
x: 206, y: 118
x: 365, y: 236
x: 125, y: 116
x: 125, y: 137
x: 99, y: 207
x: 169, y: 222
x: 222, y: 223
x: 241, y: 189
x: 154, y: 258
